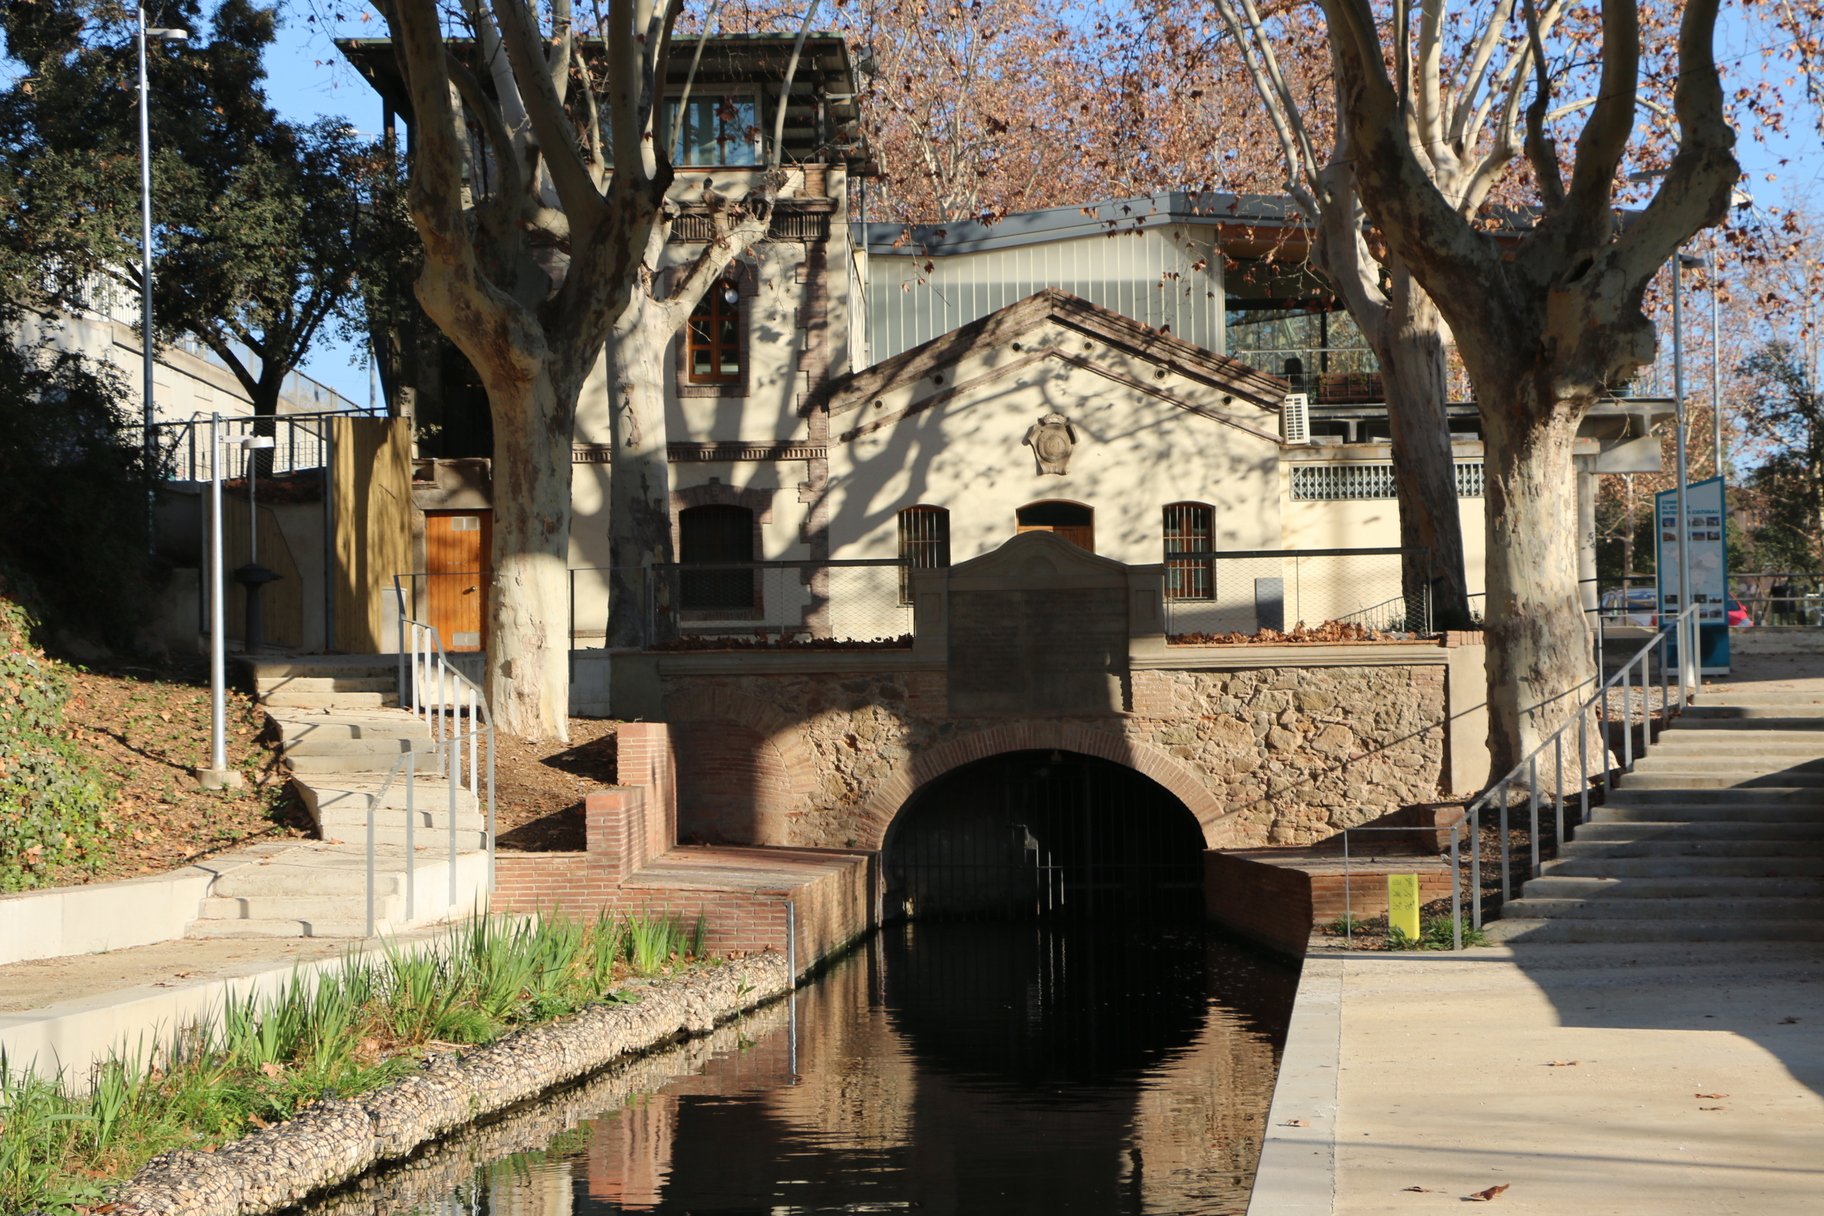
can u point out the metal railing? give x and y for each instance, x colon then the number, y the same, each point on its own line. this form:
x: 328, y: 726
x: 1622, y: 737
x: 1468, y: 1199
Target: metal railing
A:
x: 1682, y: 630
x: 1247, y: 591
x: 300, y: 442
x: 1456, y: 885
x: 1331, y: 375
x: 455, y: 711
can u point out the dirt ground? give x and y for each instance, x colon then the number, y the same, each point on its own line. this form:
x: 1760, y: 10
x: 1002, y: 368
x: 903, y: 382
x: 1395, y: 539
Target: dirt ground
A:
x: 147, y: 725
x: 539, y: 788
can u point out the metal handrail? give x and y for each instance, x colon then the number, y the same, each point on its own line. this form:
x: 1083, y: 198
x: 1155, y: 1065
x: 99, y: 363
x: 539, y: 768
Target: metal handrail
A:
x: 436, y: 691
x: 1527, y: 770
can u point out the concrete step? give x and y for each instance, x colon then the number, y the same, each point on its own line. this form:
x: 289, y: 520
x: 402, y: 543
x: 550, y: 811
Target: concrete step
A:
x: 351, y: 796
x: 267, y: 686
x: 1660, y: 779
x: 281, y: 881
x: 330, y: 700
x: 1709, y: 812
x: 1750, y: 833
x: 1777, y: 907
x: 1559, y: 885
x: 321, y: 665
x: 432, y: 843
x: 1765, y: 864
x: 1652, y: 929
x: 1738, y: 741
x: 273, y: 927
x: 336, y: 762
x: 1754, y: 717
x: 1728, y: 760
x: 309, y: 908
x: 1766, y: 795
x: 294, y: 733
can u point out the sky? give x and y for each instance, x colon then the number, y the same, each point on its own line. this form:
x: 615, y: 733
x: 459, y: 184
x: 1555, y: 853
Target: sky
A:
x: 308, y: 78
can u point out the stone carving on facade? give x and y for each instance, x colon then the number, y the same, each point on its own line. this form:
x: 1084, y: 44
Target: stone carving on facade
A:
x: 1052, y: 439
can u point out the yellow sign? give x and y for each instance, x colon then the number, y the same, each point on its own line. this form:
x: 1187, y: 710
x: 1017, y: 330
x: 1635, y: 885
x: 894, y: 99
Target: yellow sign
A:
x: 1403, y: 903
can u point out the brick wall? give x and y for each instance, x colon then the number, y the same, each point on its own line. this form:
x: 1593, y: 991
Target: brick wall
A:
x: 1277, y: 901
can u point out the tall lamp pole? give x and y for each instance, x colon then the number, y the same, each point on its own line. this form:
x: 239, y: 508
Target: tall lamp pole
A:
x: 148, y: 417
x: 216, y: 775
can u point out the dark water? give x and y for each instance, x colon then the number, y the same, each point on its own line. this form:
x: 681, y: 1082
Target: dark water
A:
x: 948, y: 1068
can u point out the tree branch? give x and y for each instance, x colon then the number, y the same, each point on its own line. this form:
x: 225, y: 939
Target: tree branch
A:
x: 575, y: 185
x: 1541, y: 152
x: 1604, y: 138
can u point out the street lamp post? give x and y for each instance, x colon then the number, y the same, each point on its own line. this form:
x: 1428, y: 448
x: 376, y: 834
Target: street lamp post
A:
x: 145, y: 265
x: 1687, y: 657
x: 217, y: 775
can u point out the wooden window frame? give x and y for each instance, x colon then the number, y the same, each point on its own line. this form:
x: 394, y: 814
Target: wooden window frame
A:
x: 1190, y: 552
x: 741, y: 278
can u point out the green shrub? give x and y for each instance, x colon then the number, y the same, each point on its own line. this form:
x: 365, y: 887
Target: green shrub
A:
x: 53, y: 801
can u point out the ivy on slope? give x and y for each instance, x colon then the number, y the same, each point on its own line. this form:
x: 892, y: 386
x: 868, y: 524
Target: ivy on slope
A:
x: 53, y: 799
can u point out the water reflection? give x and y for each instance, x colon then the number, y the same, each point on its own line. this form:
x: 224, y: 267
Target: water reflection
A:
x: 950, y: 1068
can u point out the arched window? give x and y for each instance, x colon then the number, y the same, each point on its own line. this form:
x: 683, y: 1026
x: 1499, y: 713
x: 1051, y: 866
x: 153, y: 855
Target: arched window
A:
x: 722, y: 538
x: 924, y: 542
x: 713, y: 350
x: 1071, y: 521
x: 1190, y: 551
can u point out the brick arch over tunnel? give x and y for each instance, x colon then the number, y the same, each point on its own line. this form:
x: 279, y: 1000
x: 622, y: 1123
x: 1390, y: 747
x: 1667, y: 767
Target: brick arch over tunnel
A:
x: 743, y: 766
x: 891, y: 796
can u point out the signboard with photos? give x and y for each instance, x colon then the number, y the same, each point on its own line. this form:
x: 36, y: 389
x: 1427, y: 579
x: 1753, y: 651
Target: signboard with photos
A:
x: 1708, y: 546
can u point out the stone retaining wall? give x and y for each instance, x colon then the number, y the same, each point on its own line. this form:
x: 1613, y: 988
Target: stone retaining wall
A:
x: 333, y: 1141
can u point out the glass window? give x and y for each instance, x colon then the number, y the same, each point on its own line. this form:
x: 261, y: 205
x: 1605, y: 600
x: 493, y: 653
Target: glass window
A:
x: 712, y: 337
x: 715, y: 131
x: 924, y: 541
x: 722, y: 539
x: 1190, y: 551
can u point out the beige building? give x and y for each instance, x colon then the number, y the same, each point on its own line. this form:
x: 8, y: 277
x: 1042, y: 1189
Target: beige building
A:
x: 1158, y: 380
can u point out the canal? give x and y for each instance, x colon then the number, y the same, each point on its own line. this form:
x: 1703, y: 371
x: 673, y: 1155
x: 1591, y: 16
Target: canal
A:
x: 947, y: 1067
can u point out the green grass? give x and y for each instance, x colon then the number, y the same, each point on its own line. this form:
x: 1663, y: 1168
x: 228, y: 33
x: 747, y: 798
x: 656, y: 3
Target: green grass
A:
x: 348, y: 1031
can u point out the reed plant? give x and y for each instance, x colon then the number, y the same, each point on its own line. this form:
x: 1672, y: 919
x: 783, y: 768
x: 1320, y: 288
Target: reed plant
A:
x: 344, y: 1031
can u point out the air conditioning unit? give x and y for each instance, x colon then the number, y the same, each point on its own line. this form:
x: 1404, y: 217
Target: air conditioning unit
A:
x: 1295, y: 418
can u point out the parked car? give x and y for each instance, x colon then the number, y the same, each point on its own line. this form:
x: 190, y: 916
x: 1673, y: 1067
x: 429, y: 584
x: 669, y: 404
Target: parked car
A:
x: 1632, y: 606
x: 1738, y: 615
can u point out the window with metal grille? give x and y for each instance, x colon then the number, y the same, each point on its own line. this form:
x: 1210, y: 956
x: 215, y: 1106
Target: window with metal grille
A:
x: 716, y: 536
x: 1355, y: 482
x: 924, y: 541
x: 712, y: 338
x: 1190, y: 551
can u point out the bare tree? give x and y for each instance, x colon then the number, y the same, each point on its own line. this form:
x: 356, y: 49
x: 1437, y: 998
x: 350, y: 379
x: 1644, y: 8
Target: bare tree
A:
x: 1546, y: 320
x: 1466, y: 99
x: 544, y: 261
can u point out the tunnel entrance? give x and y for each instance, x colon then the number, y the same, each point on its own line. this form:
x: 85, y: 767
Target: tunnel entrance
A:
x: 1043, y: 834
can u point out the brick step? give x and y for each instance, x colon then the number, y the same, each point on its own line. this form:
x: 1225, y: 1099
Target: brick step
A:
x: 1764, y: 864
x: 1748, y: 833
x: 309, y: 908
x: 271, y: 927
x: 1558, y: 885
x: 1776, y: 907
x: 330, y: 700
x: 1652, y: 929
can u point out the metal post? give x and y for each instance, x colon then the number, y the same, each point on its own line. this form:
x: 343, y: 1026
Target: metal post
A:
x: 1475, y: 863
x: 1507, y: 861
x: 1646, y: 702
x: 1558, y: 784
x: 1456, y: 891
x: 370, y: 866
x: 1532, y: 809
x: 455, y: 764
x: 490, y: 811
x: 147, y: 410
x: 791, y: 941
x: 411, y: 825
x: 1583, y: 766
x: 1718, y: 452
x: 1627, y: 722
x: 1348, y: 898
x: 1687, y: 655
x: 218, y: 662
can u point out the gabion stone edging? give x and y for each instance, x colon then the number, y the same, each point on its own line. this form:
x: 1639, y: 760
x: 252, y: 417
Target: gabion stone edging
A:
x: 332, y: 1141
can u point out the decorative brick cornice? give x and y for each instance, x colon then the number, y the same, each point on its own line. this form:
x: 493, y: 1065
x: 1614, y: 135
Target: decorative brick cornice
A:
x: 736, y: 452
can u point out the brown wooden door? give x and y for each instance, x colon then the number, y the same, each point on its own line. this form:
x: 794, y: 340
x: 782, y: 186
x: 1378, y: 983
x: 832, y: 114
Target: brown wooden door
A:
x: 1067, y: 520
x: 458, y: 566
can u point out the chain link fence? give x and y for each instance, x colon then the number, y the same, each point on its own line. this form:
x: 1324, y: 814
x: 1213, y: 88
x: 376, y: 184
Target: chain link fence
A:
x: 1249, y: 591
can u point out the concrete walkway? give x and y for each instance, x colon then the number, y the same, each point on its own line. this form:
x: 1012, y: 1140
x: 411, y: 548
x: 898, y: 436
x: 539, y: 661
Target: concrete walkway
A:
x: 1587, y: 1078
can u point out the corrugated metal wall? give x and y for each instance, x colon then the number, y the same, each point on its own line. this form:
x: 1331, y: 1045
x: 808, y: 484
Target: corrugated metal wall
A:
x: 1152, y: 277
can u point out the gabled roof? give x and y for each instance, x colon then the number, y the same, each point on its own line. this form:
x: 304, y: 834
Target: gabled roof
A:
x: 1236, y: 382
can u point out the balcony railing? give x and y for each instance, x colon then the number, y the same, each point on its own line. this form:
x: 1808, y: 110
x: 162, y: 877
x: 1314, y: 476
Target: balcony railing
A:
x: 1328, y: 375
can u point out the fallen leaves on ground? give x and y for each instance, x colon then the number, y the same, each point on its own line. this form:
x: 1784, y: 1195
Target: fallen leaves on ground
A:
x: 1489, y: 1195
x: 1563, y: 1063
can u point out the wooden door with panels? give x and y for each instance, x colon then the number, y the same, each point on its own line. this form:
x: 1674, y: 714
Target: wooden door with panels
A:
x: 1070, y: 521
x: 458, y: 568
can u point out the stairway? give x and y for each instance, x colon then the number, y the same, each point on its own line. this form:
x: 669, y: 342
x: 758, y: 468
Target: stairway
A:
x: 1717, y: 835
x: 341, y: 732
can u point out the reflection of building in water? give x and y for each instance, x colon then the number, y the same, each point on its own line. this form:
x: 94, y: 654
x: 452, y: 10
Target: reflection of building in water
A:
x: 991, y: 1068
x: 521, y: 1186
